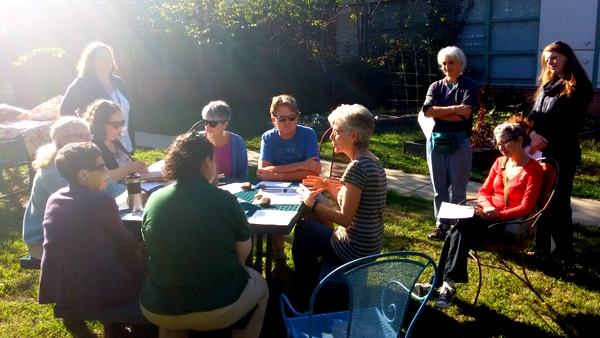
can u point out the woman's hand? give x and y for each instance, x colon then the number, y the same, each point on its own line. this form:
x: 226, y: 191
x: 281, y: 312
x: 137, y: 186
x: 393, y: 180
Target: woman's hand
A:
x: 487, y: 213
x: 137, y: 167
x: 464, y: 110
x: 315, y: 182
x: 538, y: 142
x: 308, y: 196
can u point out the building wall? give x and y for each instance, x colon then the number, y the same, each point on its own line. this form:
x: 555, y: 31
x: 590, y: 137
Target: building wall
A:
x: 574, y: 22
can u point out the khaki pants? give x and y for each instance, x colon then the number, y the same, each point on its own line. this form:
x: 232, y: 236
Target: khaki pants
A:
x: 256, y: 294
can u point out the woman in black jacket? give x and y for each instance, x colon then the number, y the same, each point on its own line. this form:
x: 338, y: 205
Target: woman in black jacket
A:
x: 95, y: 80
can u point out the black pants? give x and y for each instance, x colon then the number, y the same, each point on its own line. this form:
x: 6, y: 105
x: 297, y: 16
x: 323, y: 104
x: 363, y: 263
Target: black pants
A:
x: 557, y: 221
x: 459, y: 240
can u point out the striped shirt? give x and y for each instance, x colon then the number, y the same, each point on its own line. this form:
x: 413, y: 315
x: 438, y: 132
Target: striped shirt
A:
x: 364, y: 236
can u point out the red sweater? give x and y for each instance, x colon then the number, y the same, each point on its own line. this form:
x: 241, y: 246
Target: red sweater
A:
x: 523, y: 190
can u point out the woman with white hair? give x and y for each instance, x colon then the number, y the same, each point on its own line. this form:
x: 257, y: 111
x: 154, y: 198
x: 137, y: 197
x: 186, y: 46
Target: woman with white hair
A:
x: 451, y: 102
x: 360, y: 194
x: 67, y: 129
x: 230, y: 150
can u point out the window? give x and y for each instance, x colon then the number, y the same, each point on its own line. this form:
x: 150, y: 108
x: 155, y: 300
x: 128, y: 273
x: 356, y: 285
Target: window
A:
x: 500, y: 39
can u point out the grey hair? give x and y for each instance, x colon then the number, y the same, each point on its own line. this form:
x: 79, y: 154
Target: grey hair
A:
x: 354, y: 117
x: 217, y: 110
x: 515, y: 130
x: 454, y: 52
x: 64, y: 126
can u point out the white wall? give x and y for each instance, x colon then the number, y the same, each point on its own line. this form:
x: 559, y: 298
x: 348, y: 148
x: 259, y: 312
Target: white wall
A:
x: 574, y: 22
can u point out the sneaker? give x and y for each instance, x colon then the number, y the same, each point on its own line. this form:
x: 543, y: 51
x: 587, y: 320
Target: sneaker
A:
x: 447, y: 294
x: 421, y: 289
x: 438, y: 234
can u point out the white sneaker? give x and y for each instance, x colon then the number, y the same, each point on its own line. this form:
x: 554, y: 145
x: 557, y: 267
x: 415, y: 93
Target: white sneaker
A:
x: 447, y: 294
x: 421, y: 289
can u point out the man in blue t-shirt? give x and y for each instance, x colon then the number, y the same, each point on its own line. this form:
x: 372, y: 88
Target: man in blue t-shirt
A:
x: 288, y: 152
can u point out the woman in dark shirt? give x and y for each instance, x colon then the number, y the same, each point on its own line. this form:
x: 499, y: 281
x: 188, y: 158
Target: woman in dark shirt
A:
x: 561, y: 103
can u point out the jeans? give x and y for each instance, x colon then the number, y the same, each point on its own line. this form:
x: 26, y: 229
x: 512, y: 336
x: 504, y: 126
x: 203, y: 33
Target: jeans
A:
x: 449, y: 171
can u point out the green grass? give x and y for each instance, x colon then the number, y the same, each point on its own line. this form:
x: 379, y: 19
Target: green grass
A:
x: 505, y: 307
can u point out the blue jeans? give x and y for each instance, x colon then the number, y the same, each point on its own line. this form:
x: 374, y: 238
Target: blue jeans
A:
x: 449, y: 171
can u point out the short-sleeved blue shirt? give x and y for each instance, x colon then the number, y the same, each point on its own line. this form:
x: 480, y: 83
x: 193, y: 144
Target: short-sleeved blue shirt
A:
x: 302, y: 146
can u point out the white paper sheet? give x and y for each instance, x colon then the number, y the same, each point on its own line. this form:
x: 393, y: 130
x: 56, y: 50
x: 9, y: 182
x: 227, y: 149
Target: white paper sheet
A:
x: 154, y: 171
x: 233, y: 188
x: 426, y: 124
x: 132, y: 217
x: 122, y: 201
x: 291, y: 198
x: 272, y: 217
x: 275, y: 184
x: 455, y: 211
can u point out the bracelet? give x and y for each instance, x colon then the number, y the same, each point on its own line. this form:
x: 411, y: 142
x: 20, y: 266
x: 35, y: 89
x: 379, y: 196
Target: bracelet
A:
x: 314, y: 206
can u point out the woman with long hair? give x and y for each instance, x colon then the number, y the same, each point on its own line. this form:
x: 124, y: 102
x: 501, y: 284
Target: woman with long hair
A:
x: 561, y: 103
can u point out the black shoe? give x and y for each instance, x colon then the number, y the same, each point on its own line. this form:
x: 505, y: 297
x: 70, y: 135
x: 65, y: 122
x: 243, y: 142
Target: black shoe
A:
x: 438, y: 234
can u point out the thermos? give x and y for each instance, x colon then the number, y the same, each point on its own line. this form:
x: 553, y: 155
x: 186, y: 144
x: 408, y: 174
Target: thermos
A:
x: 134, y: 192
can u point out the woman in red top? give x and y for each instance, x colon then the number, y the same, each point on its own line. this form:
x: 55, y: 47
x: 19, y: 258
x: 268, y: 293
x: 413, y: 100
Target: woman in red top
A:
x: 524, y: 182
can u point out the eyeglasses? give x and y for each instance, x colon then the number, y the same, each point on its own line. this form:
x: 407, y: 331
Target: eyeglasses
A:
x: 116, y: 124
x: 282, y: 118
x: 86, y: 137
x: 212, y: 124
x: 503, y: 143
x: 101, y: 168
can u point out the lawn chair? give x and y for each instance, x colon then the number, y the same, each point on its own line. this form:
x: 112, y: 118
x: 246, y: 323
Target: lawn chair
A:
x: 13, y: 155
x: 520, y: 233
x: 339, y: 161
x: 380, y: 289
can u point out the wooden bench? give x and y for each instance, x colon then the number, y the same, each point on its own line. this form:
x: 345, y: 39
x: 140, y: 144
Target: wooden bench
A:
x: 132, y: 314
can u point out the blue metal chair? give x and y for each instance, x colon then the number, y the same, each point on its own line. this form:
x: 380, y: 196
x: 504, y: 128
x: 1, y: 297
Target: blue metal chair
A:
x: 380, y: 290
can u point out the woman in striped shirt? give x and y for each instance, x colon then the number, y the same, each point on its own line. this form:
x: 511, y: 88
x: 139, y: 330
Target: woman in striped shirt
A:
x: 360, y: 194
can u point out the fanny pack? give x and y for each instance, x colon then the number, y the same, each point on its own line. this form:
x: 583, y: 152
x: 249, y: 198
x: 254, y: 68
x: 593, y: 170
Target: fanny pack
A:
x: 447, y: 143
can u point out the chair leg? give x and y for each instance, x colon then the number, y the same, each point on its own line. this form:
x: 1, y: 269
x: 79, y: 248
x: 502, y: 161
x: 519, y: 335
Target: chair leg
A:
x: 476, y: 257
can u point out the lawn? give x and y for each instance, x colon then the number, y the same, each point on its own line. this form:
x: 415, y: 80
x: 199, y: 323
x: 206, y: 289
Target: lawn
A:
x: 506, y: 308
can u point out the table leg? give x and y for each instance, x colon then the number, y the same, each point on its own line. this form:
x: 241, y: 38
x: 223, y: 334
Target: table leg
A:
x: 259, y: 252
x: 269, y: 257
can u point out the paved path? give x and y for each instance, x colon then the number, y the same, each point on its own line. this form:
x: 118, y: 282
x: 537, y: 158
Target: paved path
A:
x: 585, y: 211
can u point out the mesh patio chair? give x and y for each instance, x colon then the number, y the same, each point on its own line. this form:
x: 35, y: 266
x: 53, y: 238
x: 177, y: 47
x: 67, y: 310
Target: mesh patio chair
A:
x: 519, y: 234
x: 380, y: 290
x: 13, y: 155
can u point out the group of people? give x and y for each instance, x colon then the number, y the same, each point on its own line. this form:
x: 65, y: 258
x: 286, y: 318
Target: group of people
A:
x: 189, y: 273
x: 514, y: 182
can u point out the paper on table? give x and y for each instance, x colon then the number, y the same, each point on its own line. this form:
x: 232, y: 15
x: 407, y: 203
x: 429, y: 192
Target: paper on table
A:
x: 154, y: 171
x: 147, y: 186
x: 272, y: 217
x: 132, y: 217
x: 122, y: 201
x: 455, y: 211
x: 233, y: 188
x: 275, y: 184
x: 291, y: 198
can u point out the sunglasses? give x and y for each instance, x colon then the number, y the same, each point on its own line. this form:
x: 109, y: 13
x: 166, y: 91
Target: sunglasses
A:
x: 116, y: 124
x: 282, y: 118
x: 101, y: 168
x: 212, y: 124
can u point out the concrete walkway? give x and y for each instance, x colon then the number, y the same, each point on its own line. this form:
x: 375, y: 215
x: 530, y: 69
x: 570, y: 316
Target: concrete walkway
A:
x: 585, y: 211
